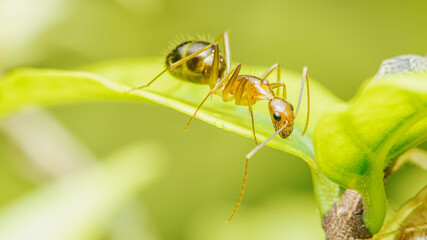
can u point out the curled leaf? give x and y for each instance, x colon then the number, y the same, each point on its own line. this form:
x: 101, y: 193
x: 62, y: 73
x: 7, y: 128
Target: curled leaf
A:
x: 360, y: 139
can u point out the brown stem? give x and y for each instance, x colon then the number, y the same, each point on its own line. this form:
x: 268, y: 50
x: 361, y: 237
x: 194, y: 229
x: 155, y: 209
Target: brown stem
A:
x: 344, y: 221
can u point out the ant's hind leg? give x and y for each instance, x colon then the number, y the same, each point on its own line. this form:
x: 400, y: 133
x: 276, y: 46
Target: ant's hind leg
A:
x: 174, y: 65
x: 224, y: 37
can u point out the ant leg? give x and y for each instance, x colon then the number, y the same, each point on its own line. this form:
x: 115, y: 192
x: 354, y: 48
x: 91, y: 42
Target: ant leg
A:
x: 224, y: 37
x: 213, y: 76
x: 269, y: 71
x: 256, y: 149
x: 304, y: 79
x: 277, y: 85
x: 251, y: 112
x: 228, y: 77
x: 176, y: 64
x: 245, y: 178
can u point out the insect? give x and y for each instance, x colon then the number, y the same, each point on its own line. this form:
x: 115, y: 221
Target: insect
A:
x: 282, y: 116
x: 201, y: 62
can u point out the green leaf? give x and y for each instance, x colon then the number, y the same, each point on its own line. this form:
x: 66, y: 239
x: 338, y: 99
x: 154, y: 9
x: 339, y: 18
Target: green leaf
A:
x: 185, y: 97
x: 80, y: 206
x: 25, y: 87
x: 32, y: 86
x: 360, y: 139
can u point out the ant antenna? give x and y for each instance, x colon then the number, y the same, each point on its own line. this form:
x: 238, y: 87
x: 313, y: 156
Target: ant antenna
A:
x: 249, y: 155
x: 304, y: 80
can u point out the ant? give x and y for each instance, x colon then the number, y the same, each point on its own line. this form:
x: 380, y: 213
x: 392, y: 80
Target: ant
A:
x: 201, y: 62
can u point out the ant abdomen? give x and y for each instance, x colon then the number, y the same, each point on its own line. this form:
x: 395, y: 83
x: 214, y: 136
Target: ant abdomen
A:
x: 197, y: 69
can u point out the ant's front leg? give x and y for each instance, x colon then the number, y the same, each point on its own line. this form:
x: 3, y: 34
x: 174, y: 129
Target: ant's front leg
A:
x: 277, y: 85
x: 273, y: 85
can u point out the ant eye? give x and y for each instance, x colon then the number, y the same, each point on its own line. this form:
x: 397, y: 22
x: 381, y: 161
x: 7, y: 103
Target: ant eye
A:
x: 277, y: 116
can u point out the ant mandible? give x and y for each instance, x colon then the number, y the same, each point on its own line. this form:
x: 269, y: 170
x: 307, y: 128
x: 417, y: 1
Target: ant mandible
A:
x: 201, y: 62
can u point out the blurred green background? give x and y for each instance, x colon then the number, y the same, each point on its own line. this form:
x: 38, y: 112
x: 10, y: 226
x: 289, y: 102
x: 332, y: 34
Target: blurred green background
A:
x: 196, y: 174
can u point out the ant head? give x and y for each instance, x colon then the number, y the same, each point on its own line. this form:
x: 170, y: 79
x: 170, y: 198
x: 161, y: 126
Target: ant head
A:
x: 281, y: 113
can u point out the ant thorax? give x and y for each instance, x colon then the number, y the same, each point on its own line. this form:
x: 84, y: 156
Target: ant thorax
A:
x: 260, y: 89
x: 242, y: 86
x: 197, y: 69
